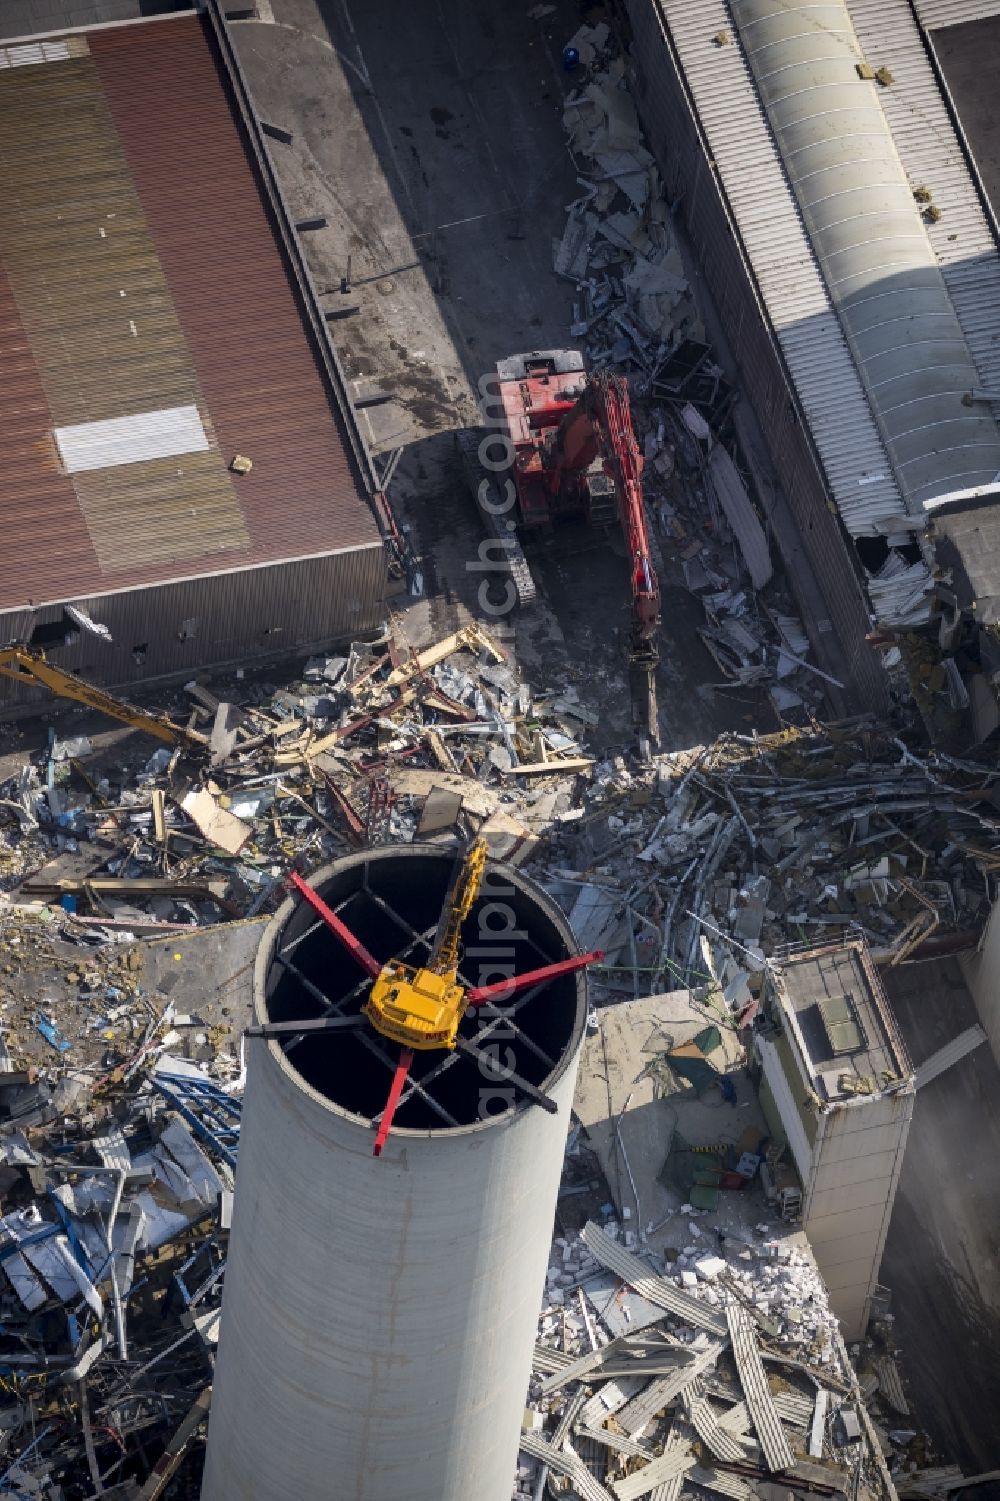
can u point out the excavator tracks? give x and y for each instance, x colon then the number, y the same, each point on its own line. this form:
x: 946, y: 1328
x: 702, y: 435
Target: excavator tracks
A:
x: 500, y: 526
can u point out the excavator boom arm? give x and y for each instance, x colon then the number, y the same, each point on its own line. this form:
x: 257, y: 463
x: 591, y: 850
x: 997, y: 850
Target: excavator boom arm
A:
x: 600, y: 426
x: 27, y: 665
x: 458, y: 906
x: 615, y: 418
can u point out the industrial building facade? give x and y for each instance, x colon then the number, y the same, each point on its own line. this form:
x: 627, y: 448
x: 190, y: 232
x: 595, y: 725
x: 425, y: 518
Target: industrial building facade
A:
x: 158, y: 322
x: 856, y: 334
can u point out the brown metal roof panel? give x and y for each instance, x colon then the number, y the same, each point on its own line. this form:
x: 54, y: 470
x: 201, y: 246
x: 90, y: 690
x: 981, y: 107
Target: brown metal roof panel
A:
x: 259, y: 374
x: 154, y: 192
x: 44, y: 527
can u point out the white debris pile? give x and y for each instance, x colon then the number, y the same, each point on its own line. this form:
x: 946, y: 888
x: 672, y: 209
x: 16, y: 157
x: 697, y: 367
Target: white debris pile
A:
x: 650, y: 1370
x: 766, y: 1268
x: 569, y: 1268
x: 618, y: 246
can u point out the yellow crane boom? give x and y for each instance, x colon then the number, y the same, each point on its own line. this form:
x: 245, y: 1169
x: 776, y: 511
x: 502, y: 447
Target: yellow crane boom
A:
x: 27, y: 664
x: 458, y: 906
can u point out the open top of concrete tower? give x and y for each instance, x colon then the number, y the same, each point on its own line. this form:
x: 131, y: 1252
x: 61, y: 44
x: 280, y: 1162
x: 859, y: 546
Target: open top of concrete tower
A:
x: 392, y: 899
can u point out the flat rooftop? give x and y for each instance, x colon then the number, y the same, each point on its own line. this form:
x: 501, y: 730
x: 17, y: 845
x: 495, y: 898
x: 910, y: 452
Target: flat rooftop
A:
x: 961, y: 52
x: 151, y: 329
x: 833, y: 1001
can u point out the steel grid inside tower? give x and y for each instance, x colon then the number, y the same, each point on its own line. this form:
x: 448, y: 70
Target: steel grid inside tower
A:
x: 392, y: 902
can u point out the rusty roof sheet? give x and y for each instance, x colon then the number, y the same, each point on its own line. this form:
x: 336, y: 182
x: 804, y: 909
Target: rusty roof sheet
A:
x: 141, y: 270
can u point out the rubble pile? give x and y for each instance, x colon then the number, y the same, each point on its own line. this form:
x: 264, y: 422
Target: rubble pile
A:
x: 617, y: 245
x: 704, y: 1369
x: 205, y: 830
x: 712, y: 1369
x: 119, y: 1100
x: 117, y: 1194
x: 807, y: 835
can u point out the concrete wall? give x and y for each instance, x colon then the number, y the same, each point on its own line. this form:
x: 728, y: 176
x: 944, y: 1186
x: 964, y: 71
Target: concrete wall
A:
x: 848, y: 1200
x: 849, y: 1159
x: 982, y: 975
x: 676, y: 141
x: 785, y: 1091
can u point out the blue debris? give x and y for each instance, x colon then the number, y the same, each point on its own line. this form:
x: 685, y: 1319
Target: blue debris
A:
x: 52, y: 1034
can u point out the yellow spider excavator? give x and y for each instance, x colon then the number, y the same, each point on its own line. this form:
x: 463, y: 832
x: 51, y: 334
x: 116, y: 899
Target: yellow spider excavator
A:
x: 26, y: 664
x: 421, y: 1008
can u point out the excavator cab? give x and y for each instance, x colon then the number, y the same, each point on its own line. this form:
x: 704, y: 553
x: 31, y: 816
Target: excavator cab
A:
x: 421, y: 1008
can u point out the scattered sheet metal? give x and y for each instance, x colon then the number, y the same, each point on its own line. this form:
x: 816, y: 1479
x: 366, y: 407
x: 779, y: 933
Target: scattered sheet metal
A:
x: 654, y: 1289
x: 890, y: 1385
x: 702, y: 1417
x: 679, y: 1439
x: 767, y: 1425
x: 739, y: 512
x: 621, y: 1309
x: 794, y: 1408
x: 722, y: 1482
x: 643, y: 1408
x: 620, y: 1442
x: 641, y: 1482
x: 624, y: 1357
x: 566, y: 1464
x: 609, y: 1399
x: 817, y: 1427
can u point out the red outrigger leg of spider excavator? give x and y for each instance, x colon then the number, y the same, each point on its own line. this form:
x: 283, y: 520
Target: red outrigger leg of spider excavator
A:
x: 396, y: 1089
x: 505, y: 988
x: 353, y: 945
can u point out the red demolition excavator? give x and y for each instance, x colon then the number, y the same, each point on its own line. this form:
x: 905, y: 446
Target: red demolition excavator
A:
x: 576, y: 457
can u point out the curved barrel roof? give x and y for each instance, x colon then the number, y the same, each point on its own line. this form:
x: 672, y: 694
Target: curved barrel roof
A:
x: 871, y: 244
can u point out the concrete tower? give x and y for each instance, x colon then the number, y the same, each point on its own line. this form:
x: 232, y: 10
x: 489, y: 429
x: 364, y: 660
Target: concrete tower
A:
x: 379, y: 1314
x: 838, y: 1087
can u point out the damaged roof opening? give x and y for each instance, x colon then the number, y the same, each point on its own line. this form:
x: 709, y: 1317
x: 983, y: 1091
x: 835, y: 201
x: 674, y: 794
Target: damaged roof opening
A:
x: 392, y: 900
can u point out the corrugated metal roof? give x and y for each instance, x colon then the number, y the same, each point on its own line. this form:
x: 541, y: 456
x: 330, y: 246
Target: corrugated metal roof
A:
x: 868, y: 234
x: 932, y: 157
x: 159, y: 434
x: 139, y: 268
x: 767, y: 1425
x: 934, y: 13
x: 819, y: 361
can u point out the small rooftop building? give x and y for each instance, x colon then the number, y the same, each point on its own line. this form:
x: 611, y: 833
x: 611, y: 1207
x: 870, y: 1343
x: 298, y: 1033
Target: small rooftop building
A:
x: 158, y: 322
x: 837, y: 1086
